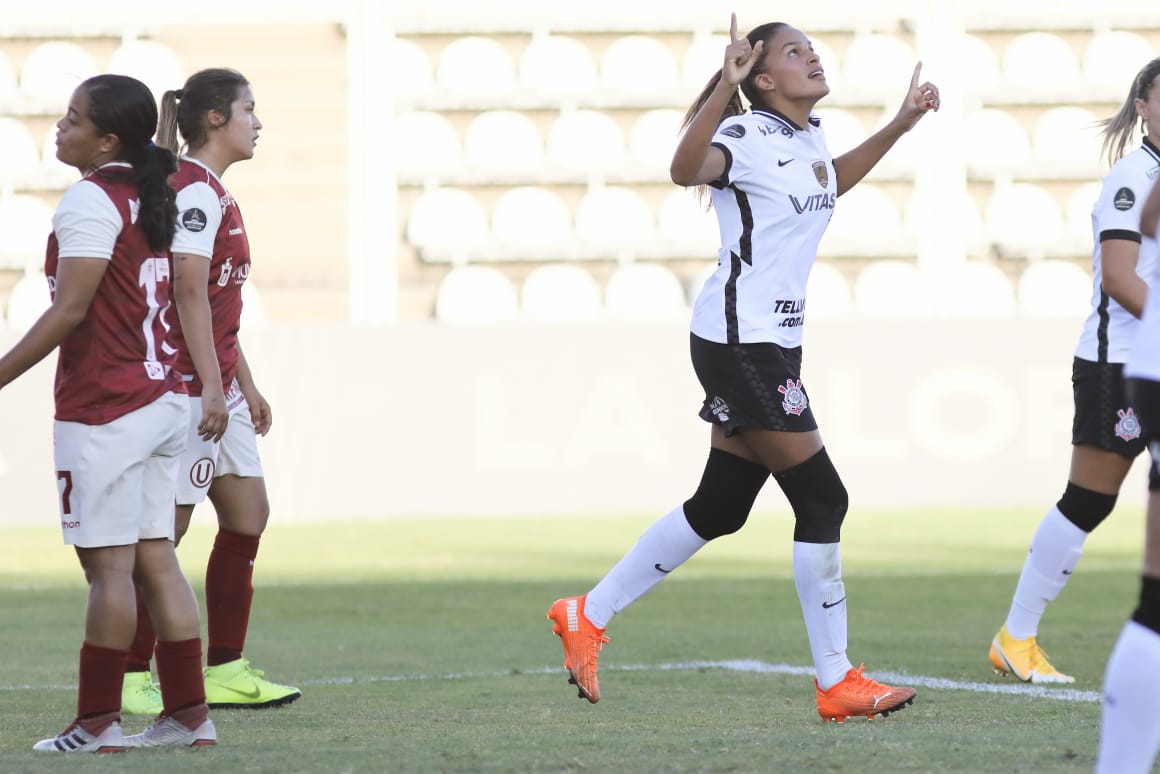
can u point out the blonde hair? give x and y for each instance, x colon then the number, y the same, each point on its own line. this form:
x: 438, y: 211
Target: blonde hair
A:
x: 1117, y: 130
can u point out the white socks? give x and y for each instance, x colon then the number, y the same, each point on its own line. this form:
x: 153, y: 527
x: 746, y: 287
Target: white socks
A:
x: 1054, y: 553
x: 663, y: 547
x: 1130, y: 719
x: 817, y: 573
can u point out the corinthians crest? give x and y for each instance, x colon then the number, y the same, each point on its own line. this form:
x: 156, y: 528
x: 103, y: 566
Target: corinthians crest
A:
x: 795, y: 401
x: 1128, y: 428
x: 821, y: 173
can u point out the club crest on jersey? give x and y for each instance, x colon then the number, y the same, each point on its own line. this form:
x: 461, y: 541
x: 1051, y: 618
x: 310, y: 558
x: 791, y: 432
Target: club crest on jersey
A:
x: 821, y: 173
x: 1124, y: 199
x: 719, y: 408
x: 795, y: 401
x: 1128, y: 428
x: 193, y: 220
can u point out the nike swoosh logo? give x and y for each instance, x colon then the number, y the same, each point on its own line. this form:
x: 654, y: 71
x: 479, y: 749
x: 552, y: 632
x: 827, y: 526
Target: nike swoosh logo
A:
x: 248, y: 694
x: 661, y: 569
x: 1067, y: 572
x: 828, y: 605
x: 880, y: 698
x: 781, y: 163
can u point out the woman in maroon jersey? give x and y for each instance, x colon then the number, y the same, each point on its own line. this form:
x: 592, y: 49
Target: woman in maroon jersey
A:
x: 120, y: 412
x: 214, y: 110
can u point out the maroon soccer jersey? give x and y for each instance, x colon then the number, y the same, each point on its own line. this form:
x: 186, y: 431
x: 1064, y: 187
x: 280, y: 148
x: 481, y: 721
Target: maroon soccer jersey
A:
x: 117, y: 359
x: 209, y: 224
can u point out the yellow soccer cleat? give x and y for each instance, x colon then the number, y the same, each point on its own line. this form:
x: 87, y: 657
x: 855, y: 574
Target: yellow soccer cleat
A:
x: 1024, y: 659
x: 858, y: 695
x: 236, y: 685
x: 582, y: 643
x: 140, y: 695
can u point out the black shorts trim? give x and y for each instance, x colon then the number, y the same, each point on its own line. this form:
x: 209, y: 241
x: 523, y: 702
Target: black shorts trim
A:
x: 1104, y: 416
x: 752, y: 385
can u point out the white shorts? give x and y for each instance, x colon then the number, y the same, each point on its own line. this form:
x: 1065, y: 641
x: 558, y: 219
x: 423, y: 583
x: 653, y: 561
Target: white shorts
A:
x: 235, y: 455
x: 116, y: 480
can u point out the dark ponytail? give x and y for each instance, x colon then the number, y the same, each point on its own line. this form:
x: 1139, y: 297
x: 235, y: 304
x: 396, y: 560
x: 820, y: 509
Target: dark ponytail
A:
x: 187, y: 109
x: 124, y: 107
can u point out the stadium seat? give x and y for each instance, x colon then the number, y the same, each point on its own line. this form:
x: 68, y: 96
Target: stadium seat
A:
x: 614, y: 219
x: 890, y: 288
x: 475, y: 67
x: 653, y: 138
x: 8, y: 83
x: 877, y: 64
x: 253, y: 307
x: 52, y: 170
x: 1039, y: 62
x: 447, y: 224
x: 639, y: 67
x: 827, y: 293
x: 151, y: 62
x: 25, y: 223
x: 530, y: 222
x: 560, y: 292
x: 1113, y: 57
x: 28, y: 300
x: 1023, y: 220
x: 52, y: 70
x: 1067, y: 139
x: 585, y: 140
x: 842, y: 128
x: 978, y: 66
x: 557, y: 66
x: 702, y: 59
x: 865, y: 222
x: 411, y: 70
x: 503, y: 141
x: 1079, y: 212
x: 428, y: 141
x: 19, y: 156
x: 645, y: 291
x: 1055, y: 289
x: 687, y: 226
x: 962, y: 208
x: 995, y: 142
x: 476, y: 294
x: 970, y: 289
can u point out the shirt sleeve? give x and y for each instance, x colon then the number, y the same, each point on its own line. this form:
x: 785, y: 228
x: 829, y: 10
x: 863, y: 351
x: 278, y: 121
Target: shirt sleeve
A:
x: 736, y: 141
x: 86, y: 222
x: 1117, y: 211
x: 199, y: 214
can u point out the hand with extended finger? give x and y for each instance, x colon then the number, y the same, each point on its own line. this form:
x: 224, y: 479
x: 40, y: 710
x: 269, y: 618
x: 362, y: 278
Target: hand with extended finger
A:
x: 740, y: 56
x: 920, y: 100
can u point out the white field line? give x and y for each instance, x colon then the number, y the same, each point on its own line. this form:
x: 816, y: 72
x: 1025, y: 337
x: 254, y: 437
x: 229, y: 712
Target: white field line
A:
x: 748, y: 666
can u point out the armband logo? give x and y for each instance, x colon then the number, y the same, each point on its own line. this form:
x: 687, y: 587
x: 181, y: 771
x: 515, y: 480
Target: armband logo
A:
x: 193, y: 219
x: 737, y: 131
x: 1124, y: 199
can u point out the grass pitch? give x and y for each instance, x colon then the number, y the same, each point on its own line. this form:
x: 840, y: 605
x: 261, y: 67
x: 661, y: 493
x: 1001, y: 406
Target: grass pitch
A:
x: 422, y: 646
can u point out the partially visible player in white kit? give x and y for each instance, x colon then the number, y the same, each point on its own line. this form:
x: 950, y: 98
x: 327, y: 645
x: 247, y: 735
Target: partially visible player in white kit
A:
x: 1130, y: 720
x: 121, y: 412
x: 774, y: 187
x: 214, y: 111
x: 1106, y: 436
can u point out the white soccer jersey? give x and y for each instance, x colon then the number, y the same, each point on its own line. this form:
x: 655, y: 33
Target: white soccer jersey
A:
x: 773, y: 204
x: 1110, y: 329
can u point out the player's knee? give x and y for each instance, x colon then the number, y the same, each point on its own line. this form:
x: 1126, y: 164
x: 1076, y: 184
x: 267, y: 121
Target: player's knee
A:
x: 728, y: 488
x: 1085, y: 508
x: 818, y: 498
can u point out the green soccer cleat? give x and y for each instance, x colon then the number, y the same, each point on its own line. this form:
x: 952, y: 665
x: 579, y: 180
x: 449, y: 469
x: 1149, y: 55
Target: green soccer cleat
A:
x: 235, y: 685
x: 140, y: 695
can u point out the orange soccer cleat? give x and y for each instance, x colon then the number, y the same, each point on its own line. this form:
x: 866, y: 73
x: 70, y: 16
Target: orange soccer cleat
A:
x: 857, y: 694
x: 582, y: 643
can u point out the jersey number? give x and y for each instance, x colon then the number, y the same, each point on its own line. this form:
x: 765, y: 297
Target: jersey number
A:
x: 66, y: 491
x: 153, y: 272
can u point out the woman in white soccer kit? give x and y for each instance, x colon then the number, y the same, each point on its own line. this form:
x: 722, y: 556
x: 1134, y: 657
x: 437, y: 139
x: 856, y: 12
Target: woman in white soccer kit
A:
x: 774, y: 185
x: 214, y: 111
x: 1106, y: 435
x: 120, y: 412
x: 1130, y: 723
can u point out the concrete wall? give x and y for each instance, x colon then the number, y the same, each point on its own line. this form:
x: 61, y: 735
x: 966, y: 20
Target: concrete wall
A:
x: 441, y: 420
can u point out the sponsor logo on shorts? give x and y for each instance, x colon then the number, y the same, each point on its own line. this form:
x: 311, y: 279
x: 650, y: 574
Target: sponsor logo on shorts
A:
x: 70, y: 524
x: 201, y: 474
x: 795, y: 401
x: 1128, y: 428
x: 719, y: 409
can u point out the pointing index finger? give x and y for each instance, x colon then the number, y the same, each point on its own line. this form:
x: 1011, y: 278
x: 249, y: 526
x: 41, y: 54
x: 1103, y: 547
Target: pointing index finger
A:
x: 733, y: 28
x: 914, y: 78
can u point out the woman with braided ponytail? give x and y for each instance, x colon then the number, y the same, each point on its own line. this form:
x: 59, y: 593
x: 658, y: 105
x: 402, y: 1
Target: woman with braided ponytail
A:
x: 121, y: 412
